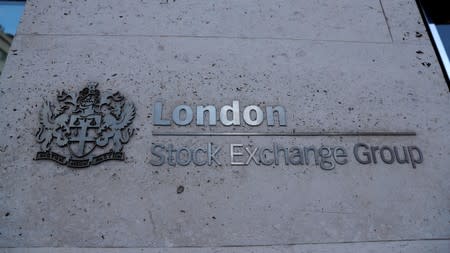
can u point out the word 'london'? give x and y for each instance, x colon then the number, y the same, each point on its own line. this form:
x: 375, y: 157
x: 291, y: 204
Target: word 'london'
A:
x: 229, y: 115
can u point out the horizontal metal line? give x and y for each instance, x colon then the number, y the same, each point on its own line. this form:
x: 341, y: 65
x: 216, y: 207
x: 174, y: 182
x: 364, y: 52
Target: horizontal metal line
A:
x: 293, y: 134
x: 314, y: 243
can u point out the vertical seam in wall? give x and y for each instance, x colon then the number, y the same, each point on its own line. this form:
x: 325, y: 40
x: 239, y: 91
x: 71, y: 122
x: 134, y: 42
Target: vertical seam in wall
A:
x: 386, y: 19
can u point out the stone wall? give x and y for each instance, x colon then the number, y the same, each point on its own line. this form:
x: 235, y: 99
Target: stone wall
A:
x: 336, y: 66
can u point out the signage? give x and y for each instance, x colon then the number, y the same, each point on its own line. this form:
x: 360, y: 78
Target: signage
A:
x: 239, y: 154
x: 326, y: 157
x: 91, y: 127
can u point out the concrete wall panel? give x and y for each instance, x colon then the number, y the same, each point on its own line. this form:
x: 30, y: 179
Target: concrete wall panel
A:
x: 132, y: 203
x: 334, y: 65
x: 322, y: 20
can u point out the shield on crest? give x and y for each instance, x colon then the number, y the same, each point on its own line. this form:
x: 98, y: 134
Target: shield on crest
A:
x: 84, y: 132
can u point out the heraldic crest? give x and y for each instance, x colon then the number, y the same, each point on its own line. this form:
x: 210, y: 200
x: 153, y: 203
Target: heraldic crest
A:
x: 85, y: 128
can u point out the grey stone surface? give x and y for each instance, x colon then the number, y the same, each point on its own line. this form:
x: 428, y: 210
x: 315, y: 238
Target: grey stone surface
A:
x: 405, y: 22
x: 360, y: 81
x: 330, y: 20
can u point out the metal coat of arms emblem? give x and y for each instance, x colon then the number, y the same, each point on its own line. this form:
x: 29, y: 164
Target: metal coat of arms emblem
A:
x: 78, y: 129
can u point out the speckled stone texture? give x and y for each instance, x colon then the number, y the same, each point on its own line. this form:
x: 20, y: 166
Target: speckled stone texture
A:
x: 334, y: 65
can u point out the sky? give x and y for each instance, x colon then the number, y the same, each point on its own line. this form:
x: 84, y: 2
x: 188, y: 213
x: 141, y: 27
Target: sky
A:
x: 444, y: 32
x: 10, y: 13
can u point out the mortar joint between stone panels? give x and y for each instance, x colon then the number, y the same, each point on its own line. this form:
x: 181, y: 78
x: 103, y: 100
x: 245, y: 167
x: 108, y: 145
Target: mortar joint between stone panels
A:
x: 313, y: 243
x: 288, y: 244
x: 203, y: 37
x: 386, y: 20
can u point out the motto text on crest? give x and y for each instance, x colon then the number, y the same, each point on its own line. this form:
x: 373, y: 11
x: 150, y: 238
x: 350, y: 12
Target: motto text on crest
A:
x: 85, y: 128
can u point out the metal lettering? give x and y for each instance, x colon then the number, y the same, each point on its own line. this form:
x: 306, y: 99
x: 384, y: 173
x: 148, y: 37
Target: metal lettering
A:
x: 247, y: 115
x: 415, y: 160
x: 307, y: 151
x: 211, y: 112
x: 234, y: 154
x: 235, y: 121
x: 176, y: 115
x: 277, y: 150
x: 170, y: 159
x: 157, y: 115
x: 179, y: 156
x: 263, y: 156
x: 339, y: 152
x: 296, y: 152
x: 251, y: 156
x: 405, y: 155
x: 271, y: 115
x: 195, y: 159
x: 157, y: 154
x: 324, y: 154
x: 383, y: 151
x: 372, y: 150
x: 212, y: 155
x: 366, y: 154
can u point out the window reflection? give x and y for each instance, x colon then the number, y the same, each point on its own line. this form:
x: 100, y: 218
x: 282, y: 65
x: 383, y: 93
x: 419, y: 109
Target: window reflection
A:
x: 10, y: 13
x: 437, y: 17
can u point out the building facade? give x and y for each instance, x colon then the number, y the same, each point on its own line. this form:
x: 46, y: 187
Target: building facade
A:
x: 224, y: 126
x: 5, y: 43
